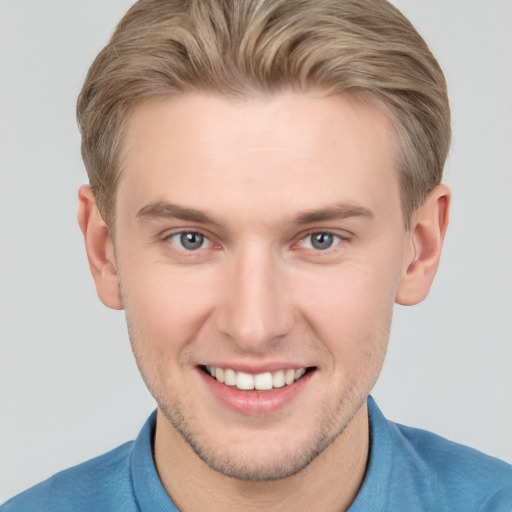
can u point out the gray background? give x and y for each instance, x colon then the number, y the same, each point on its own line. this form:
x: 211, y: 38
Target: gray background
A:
x: 69, y: 388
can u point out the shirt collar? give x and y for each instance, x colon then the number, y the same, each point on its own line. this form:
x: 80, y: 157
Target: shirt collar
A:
x: 147, y: 488
x: 374, y: 493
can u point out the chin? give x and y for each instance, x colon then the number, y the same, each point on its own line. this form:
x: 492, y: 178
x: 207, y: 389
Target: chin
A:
x: 259, y: 465
x: 254, y: 458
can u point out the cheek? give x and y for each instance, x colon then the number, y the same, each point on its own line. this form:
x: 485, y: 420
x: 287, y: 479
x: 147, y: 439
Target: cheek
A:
x: 351, y: 308
x: 353, y: 327
x: 166, y: 309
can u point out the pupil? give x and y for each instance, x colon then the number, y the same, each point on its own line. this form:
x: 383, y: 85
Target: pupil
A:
x: 191, y: 241
x: 321, y: 241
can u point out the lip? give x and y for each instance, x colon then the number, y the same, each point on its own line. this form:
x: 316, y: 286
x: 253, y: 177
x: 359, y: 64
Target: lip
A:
x: 255, y: 403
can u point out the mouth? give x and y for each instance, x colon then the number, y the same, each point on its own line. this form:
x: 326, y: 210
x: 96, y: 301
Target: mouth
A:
x: 265, y: 381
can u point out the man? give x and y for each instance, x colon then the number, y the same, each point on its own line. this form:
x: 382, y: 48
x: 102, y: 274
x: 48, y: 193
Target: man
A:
x: 265, y: 183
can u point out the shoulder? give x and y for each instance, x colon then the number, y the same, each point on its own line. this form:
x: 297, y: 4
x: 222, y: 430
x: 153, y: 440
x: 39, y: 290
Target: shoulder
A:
x: 410, y: 469
x: 93, y: 486
x: 456, y: 473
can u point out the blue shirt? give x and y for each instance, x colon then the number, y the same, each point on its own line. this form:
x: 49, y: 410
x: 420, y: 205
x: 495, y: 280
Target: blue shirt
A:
x: 409, y: 470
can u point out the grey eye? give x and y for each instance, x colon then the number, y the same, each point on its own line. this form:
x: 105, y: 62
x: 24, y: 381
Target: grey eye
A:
x: 320, y: 241
x: 189, y: 241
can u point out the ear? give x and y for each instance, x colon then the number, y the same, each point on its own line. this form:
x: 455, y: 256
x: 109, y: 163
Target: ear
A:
x: 423, y: 247
x: 100, y: 249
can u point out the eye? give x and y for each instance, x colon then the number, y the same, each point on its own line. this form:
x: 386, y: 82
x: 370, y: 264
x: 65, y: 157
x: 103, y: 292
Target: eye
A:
x: 189, y: 240
x: 320, y: 241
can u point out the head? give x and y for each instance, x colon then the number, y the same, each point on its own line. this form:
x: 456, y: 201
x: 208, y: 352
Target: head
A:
x: 264, y: 186
x: 243, y: 48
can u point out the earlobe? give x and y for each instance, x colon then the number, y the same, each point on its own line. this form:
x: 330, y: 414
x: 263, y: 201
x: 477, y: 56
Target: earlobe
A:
x: 423, y: 248
x: 100, y: 250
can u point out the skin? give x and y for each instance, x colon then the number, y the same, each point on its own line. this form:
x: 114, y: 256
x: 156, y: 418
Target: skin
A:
x: 255, y: 180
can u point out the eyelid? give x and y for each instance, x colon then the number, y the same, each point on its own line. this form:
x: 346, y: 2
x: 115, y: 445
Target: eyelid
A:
x: 168, y: 233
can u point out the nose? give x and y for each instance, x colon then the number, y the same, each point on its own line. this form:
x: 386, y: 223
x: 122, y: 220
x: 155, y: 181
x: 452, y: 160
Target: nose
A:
x: 255, y: 312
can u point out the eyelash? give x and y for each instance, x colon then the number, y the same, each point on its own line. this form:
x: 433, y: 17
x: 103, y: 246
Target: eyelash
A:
x: 336, y: 240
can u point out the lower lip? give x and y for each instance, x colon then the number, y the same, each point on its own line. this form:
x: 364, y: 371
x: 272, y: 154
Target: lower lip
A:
x: 255, y: 403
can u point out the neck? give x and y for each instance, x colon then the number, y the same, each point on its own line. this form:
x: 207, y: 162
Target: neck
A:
x: 329, y: 483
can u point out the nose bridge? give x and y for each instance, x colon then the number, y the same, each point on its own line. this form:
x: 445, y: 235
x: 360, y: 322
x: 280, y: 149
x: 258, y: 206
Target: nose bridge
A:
x: 255, y: 311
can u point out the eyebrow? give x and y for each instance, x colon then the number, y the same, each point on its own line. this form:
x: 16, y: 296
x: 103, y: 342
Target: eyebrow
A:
x: 163, y: 210
x: 334, y: 212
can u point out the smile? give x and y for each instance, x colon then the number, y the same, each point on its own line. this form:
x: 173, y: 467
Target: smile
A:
x: 261, y: 381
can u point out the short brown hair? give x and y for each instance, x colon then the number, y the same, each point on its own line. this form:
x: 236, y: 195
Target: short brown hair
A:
x: 239, y: 48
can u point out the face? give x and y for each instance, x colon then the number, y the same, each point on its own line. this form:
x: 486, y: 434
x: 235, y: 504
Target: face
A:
x: 260, y: 242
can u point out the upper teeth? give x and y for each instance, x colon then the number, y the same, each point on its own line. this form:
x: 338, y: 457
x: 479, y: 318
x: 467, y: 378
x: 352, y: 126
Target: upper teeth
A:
x: 260, y: 381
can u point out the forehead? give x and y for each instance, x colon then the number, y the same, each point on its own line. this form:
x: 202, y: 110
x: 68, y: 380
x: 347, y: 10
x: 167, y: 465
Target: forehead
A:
x: 291, y: 150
